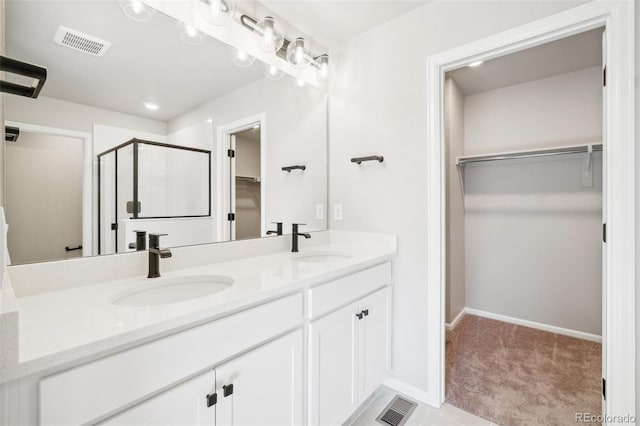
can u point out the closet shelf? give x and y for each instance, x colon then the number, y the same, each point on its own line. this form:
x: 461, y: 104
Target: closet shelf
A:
x: 545, y: 152
x: 253, y: 179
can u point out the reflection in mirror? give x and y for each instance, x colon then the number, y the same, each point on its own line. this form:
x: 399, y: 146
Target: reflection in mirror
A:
x: 152, y: 133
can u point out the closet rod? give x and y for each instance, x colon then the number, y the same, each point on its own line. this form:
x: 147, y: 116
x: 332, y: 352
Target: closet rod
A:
x: 580, y: 149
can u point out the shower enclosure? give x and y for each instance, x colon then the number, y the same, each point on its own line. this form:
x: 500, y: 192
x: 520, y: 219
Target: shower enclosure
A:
x: 141, y: 180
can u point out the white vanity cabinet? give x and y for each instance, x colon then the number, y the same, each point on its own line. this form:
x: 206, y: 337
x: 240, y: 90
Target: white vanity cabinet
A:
x: 260, y: 387
x: 349, y: 348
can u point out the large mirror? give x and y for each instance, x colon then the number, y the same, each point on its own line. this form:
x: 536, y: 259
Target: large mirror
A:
x: 152, y: 127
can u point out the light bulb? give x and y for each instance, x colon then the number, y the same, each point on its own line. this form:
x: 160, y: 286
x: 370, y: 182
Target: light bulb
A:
x: 242, y: 59
x: 189, y: 34
x: 216, y: 12
x: 297, y: 54
x: 270, y: 38
x: 272, y: 72
x: 322, y: 62
x: 136, y: 10
x: 136, y: 6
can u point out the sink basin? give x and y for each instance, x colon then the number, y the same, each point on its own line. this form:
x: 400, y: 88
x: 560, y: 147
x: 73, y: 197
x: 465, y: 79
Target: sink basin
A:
x: 172, y: 290
x: 321, y: 257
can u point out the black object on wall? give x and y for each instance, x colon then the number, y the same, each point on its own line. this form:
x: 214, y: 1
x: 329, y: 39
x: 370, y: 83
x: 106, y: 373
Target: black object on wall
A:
x: 296, y: 167
x: 14, y: 66
x: 11, y: 134
x: 359, y: 160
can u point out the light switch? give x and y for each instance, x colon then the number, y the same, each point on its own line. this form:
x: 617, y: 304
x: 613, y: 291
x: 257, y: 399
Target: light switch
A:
x: 319, y: 211
x: 337, y: 212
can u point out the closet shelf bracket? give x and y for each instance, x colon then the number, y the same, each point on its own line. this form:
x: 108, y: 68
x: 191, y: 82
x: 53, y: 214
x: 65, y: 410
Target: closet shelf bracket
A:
x: 587, y: 168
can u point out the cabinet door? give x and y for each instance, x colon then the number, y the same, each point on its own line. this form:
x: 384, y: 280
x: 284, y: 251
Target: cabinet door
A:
x: 262, y: 387
x: 374, y: 336
x: 184, y: 404
x: 332, y: 366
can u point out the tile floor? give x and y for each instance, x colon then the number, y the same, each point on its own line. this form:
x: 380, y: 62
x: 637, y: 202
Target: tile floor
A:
x: 423, y: 415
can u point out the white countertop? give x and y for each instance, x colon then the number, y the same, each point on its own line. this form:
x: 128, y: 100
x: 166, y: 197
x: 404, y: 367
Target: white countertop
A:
x: 74, y: 325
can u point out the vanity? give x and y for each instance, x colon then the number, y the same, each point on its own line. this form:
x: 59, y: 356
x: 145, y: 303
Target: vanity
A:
x: 271, y: 338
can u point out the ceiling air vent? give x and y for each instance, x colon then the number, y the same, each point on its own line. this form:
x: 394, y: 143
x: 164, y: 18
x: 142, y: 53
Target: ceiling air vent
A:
x: 81, y: 42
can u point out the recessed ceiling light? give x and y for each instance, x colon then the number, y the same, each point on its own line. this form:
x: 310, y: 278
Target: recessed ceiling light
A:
x: 151, y: 106
x: 475, y: 64
x: 210, y: 120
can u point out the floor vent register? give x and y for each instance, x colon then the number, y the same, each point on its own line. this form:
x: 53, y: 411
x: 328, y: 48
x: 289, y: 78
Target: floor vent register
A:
x: 397, y: 412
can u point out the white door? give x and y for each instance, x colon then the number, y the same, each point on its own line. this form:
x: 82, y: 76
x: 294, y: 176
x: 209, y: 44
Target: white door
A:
x: 184, y: 405
x: 333, y: 358
x: 374, y: 336
x: 262, y: 387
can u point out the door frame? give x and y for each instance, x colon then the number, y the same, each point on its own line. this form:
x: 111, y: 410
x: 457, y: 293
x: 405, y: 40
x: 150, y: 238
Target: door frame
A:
x: 619, y: 201
x: 88, y: 216
x: 223, y: 171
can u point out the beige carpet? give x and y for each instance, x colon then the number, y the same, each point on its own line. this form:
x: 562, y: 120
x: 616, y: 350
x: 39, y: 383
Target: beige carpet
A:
x: 514, y: 375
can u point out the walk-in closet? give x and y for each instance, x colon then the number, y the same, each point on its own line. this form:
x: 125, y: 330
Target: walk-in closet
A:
x: 524, y: 206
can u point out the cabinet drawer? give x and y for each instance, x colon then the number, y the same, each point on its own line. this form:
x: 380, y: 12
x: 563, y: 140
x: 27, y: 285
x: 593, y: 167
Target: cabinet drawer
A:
x: 85, y: 393
x: 327, y: 297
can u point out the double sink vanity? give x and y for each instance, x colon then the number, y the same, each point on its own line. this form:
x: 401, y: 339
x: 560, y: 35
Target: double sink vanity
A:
x: 238, y: 333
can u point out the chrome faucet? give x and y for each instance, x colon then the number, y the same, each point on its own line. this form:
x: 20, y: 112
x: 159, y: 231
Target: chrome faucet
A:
x: 155, y: 254
x: 295, y: 234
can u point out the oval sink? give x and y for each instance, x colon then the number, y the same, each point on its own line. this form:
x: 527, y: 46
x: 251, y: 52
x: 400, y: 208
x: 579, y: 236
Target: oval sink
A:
x: 172, y: 290
x: 321, y: 257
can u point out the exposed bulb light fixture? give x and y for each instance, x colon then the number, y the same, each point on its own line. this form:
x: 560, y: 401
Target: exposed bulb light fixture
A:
x: 269, y: 38
x: 217, y: 12
x: 272, y: 72
x: 137, y: 11
x: 322, y: 63
x: 189, y: 34
x: 298, y: 54
x: 475, y: 64
x: 151, y: 106
x: 242, y: 58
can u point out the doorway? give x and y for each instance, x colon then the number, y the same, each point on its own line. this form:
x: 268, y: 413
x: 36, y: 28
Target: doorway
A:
x: 46, y: 170
x: 246, y: 185
x: 618, y: 188
x: 241, y: 178
x: 524, y: 221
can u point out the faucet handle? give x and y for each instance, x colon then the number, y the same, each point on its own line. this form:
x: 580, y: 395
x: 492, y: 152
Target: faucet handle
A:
x: 151, y: 235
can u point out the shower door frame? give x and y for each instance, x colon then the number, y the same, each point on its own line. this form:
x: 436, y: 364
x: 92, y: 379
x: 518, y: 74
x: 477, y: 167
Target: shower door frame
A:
x: 619, y: 191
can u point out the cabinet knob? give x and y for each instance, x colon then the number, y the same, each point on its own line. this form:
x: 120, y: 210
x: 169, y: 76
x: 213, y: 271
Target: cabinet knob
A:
x: 227, y: 390
x: 212, y: 399
x: 359, y: 315
x: 365, y: 312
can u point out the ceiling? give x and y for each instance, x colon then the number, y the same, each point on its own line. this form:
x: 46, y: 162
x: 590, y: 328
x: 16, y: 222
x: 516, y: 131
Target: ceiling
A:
x: 570, y: 54
x: 333, y: 22
x: 146, y: 63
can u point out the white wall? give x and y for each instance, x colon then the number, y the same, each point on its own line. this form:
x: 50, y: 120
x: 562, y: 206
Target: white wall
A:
x: 555, y: 111
x: 454, y: 137
x: 378, y: 105
x: 44, y: 197
x: 72, y: 116
x: 296, y: 133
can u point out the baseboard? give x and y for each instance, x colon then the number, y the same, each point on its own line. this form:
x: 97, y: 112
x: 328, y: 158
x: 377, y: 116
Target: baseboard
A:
x: 532, y: 324
x: 411, y: 391
x: 456, y: 320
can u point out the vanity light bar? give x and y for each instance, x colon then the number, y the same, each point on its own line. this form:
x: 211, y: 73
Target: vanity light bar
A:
x: 249, y: 23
